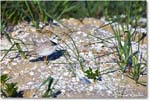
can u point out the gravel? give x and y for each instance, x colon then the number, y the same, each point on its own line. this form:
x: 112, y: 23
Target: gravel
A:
x: 71, y: 80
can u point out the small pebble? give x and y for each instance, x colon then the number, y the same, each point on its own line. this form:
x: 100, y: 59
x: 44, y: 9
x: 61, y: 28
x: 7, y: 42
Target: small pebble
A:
x: 31, y: 73
x: 14, y: 63
x: 6, y: 72
x: 29, y: 83
x: 66, y: 73
x: 91, y: 88
x: 38, y: 70
x: 63, y: 91
x: 73, y: 80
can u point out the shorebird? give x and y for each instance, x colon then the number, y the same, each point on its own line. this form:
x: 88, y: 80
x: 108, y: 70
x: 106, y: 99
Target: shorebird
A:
x: 46, y: 48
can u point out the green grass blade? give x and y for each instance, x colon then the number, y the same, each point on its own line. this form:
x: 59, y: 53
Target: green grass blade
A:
x: 20, y: 50
x: 8, y: 51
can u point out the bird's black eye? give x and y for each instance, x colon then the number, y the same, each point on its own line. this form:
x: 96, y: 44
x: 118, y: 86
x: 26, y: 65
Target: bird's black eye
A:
x: 53, y: 42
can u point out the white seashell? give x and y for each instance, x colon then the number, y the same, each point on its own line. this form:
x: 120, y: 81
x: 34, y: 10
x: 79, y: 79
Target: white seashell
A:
x: 6, y: 72
x: 31, y: 73
x: 73, y: 80
x: 29, y: 83
x: 91, y: 88
x: 109, y: 92
x: 38, y: 70
x: 63, y: 91
x: 14, y: 63
x: 34, y: 67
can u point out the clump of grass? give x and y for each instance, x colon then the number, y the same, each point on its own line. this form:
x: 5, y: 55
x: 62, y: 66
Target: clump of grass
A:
x: 127, y: 58
x: 9, y: 89
x: 51, y: 92
x: 137, y: 68
x: 92, y: 74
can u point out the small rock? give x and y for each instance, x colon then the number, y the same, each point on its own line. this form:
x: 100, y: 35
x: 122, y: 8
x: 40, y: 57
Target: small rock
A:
x: 63, y: 91
x: 109, y: 92
x: 6, y: 72
x: 31, y: 73
x: 73, y: 80
x: 14, y: 63
x: 91, y: 88
x: 66, y: 73
x: 29, y: 83
x: 38, y: 70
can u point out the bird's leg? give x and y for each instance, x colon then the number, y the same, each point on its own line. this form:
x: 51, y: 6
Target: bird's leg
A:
x: 46, y: 60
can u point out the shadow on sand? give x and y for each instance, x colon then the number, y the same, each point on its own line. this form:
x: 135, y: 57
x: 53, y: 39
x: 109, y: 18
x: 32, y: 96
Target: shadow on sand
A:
x: 51, y: 57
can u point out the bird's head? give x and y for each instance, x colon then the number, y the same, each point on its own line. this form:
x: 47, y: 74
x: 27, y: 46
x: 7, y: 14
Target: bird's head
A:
x: 54, y: 39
